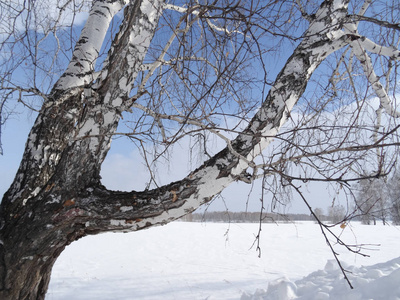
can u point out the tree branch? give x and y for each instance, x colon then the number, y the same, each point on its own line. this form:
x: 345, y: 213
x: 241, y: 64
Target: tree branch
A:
x: 373, y: 79
x: 81, y: 67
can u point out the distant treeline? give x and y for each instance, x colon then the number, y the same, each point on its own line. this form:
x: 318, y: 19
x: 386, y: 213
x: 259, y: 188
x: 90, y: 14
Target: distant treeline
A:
x: 248, y: 217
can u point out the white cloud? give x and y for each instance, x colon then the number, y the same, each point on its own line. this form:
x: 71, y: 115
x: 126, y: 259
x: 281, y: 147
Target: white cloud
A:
x: 18, y: 15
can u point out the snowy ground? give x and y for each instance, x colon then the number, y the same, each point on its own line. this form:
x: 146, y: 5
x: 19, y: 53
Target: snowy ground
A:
x: 214, y: 261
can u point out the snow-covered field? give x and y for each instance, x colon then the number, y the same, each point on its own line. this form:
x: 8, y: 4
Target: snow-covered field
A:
x: 216, y: 261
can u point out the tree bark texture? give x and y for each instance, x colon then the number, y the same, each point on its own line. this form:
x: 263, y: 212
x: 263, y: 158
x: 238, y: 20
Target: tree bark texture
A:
x: 57, y: 198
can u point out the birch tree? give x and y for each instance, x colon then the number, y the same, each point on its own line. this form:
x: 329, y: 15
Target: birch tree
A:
x: 185, y: 69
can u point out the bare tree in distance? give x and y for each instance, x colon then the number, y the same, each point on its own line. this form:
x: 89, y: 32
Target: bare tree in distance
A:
x: 379, y: 199
x: 394, y: 198
x: 319, y: 213
x: 373, y: 201
x: 337, y: 214
x: 179, y: 70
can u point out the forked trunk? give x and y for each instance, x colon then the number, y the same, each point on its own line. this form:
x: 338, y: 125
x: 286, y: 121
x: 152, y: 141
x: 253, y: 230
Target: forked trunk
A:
x: 56, y: 196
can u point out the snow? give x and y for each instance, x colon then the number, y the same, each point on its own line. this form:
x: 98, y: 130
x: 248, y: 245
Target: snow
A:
x: 216, y: 261
x: 379, y: 281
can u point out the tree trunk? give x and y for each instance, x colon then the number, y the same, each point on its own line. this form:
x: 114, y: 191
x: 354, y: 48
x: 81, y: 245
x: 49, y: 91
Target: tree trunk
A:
x: 28, y: 257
